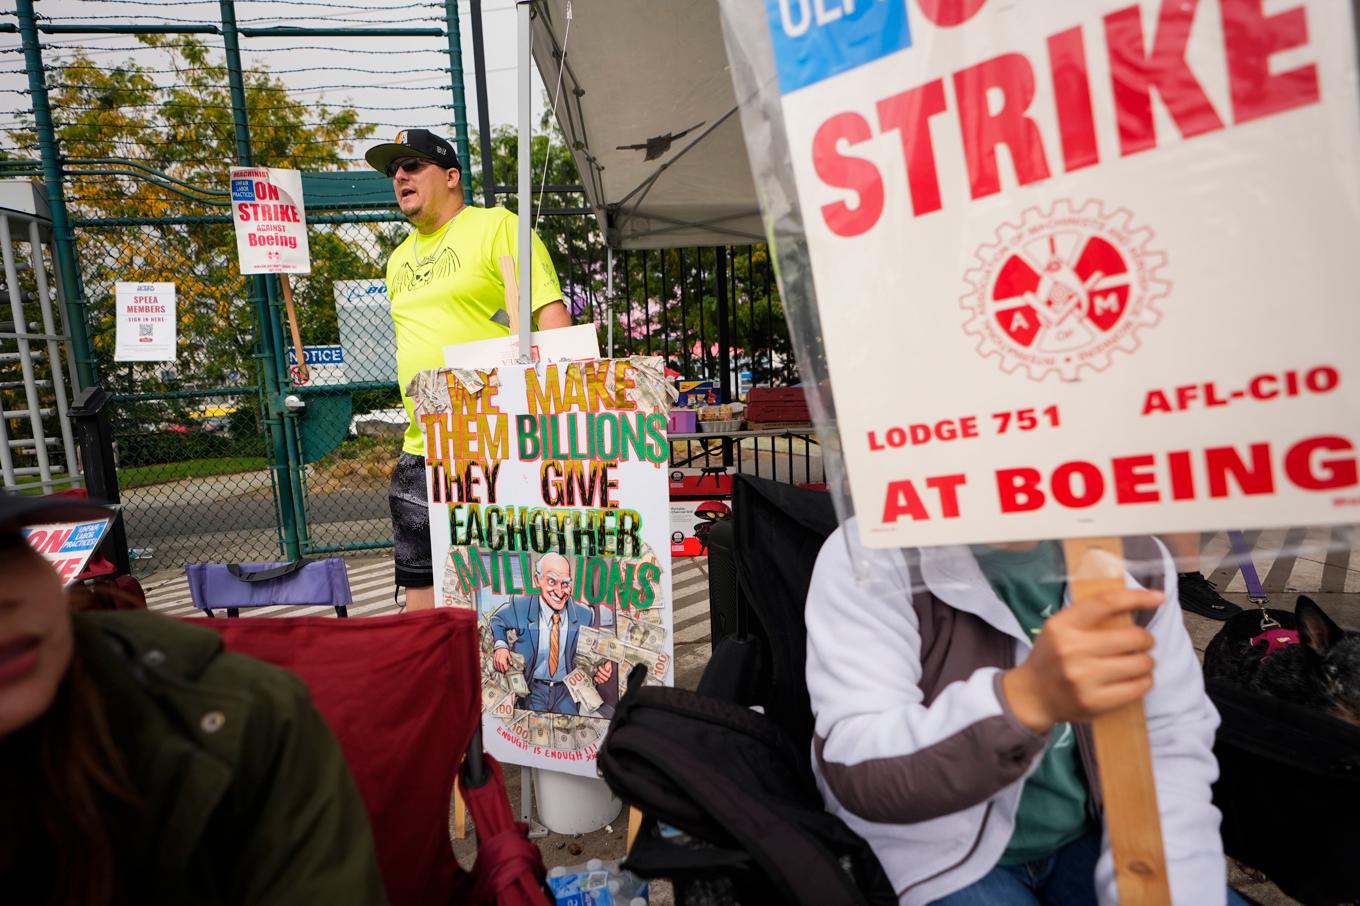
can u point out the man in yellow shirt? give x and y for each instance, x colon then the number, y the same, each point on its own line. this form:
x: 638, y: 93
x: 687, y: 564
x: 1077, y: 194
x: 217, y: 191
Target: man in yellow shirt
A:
x: 445, y: 285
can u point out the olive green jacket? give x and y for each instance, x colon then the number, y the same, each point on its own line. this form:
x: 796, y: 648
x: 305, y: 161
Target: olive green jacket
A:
x: 248, y: 799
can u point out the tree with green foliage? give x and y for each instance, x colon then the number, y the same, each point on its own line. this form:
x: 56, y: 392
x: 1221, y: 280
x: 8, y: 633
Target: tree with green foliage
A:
x: 179, y: 137
x: 147, y: 143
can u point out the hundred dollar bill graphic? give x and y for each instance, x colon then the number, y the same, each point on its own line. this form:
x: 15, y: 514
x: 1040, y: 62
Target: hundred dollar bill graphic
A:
x: 644, y: 635
x: 505, y: 708
x: 540, y: 729
x: 610, y: 648
x: 562, y: 736
x: 587, y: 733
x: 581, y: 687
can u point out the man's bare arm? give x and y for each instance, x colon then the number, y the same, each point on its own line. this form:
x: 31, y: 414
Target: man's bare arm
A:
x: 552, y: 316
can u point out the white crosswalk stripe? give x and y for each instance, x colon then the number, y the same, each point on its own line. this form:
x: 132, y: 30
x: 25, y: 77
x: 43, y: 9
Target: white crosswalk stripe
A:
x: 373, y: 590
x: 1288, y: 561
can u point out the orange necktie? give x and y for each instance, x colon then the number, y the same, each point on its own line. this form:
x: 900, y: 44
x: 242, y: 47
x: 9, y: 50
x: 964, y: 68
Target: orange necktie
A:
x: 552, y: 645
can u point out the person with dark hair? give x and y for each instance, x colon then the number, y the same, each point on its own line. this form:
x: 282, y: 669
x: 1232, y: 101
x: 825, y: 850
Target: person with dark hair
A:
x: 142, y: 763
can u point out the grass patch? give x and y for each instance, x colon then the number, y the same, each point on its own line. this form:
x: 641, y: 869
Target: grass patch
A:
x: 28, y: 486
x: 143, y: 476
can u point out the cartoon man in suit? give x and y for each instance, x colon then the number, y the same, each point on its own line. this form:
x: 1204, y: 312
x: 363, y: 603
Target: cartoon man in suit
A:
x: 546, y: 631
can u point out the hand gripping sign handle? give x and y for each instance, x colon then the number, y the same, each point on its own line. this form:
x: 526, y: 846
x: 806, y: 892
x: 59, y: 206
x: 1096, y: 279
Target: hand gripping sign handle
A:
x: 1123, y: 753
x: 300, y: 370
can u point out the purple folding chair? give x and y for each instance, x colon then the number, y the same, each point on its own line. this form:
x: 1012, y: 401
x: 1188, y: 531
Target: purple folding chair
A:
x: 231, y: 586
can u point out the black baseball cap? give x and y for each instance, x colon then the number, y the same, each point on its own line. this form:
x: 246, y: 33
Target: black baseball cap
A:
x: 18, y: 510
x: 419, y: 143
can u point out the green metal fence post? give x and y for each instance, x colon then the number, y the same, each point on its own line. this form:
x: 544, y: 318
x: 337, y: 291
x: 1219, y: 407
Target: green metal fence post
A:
x: 291, y: 429
x: 64, y: 238
x: 460, y: 121
x: 283, y: 462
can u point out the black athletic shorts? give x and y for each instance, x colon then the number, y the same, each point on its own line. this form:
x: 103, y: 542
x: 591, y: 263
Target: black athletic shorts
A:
x: 410, y: 523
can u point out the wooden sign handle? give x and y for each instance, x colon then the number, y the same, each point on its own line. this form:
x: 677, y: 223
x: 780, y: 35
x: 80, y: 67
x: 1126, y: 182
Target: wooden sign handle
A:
x: 303, y: 373
x: 511, y: 292
x: 1122, y: 748
x: 634, y: 825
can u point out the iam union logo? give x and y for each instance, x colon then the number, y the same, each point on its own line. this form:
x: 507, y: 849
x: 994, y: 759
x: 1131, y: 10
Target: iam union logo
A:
x: 1062, y: 290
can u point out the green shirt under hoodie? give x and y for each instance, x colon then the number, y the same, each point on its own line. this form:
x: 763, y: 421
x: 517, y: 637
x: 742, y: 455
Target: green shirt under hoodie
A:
x: 1053, y: 805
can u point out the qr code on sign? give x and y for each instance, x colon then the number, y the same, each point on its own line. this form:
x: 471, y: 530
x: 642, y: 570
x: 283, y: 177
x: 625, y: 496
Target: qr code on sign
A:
x: 144, y: 330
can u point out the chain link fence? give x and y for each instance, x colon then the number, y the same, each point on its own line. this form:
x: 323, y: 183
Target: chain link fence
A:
x: 225, y: 454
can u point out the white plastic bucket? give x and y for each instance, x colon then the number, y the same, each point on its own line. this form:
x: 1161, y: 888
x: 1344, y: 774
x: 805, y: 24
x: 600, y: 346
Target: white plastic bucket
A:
x: 568, y: 804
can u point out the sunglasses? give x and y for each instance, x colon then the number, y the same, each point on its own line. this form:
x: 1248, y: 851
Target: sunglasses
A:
x: 409, y: 165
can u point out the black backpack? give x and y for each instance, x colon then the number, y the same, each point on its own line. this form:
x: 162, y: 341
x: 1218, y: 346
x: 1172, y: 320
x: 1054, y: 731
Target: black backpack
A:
x: 1289, y: 788
x: 746, y: 823
x: 734, y: 784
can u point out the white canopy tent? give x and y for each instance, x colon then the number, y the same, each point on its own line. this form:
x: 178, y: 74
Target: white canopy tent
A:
x: 648, y: 111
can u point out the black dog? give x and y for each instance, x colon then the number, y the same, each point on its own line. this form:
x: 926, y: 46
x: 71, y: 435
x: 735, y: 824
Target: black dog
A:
x: 1320, y: 671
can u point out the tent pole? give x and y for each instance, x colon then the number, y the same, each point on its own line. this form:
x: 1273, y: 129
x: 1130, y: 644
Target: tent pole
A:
x: 483, y: 115
x: 609, y: 298
x: 526, y: 183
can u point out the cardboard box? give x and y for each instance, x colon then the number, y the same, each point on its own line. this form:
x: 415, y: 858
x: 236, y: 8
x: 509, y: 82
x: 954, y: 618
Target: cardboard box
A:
x: 698, y: 393
x: 776, y: 405
x: 691, y: 521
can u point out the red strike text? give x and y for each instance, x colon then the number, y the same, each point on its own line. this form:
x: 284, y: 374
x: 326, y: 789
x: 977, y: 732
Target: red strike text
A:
x: 993, y: 99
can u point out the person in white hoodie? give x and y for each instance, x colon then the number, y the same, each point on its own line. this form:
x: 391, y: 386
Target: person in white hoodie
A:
x: 953, y: 690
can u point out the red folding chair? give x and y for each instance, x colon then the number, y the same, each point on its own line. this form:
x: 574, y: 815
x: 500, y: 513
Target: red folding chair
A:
x: 403, y: 696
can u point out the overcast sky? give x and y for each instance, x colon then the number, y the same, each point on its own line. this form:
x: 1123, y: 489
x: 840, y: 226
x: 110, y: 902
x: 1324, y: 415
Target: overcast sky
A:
x: 395, y: 82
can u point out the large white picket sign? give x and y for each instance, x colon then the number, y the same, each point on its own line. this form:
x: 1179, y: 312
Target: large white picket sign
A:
x: 547, y: 487
x: 1082, y: 266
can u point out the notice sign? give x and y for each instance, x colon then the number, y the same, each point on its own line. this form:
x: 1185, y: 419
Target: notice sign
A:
x: 271, y: 221
x: 548, y: 515
x: 145, y: 327
x: 325, y: 365
x: 1082, y: 267
x: 67, y: 546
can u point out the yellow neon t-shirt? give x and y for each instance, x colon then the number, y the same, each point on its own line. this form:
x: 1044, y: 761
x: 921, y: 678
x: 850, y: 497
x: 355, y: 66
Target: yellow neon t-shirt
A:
x: 445, y: 286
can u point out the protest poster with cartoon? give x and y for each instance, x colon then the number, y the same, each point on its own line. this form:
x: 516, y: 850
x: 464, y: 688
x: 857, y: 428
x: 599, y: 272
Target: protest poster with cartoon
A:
x: 548, y: 492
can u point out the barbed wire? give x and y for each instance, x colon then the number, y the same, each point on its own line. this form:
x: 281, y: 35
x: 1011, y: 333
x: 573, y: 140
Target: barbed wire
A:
x: 331, y: 4
x: 230, y: 160
x: 319, y: 124
x: 126, y: 17
x: 143, y: 48
x: 383, y: 72
x: 347, y: 138
x: 159, y: 105
x: 410, y: 85
x: 367, y: 20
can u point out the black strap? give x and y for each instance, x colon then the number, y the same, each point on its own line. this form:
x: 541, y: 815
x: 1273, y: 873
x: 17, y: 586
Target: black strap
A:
x: 710, y: 711
x: 808, y: 873
x: 264, y: 575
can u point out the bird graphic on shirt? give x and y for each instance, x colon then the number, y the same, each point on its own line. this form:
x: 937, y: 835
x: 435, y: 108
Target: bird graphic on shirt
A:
x: 436, y: 267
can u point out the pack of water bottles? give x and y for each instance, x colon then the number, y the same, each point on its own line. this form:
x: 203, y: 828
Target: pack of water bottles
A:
x: 597, y: 883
